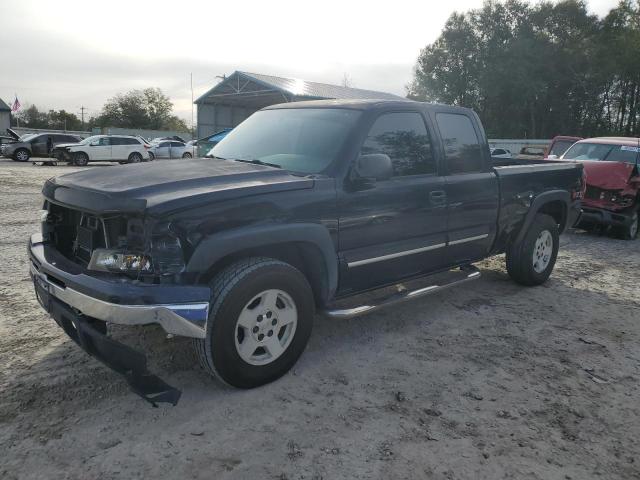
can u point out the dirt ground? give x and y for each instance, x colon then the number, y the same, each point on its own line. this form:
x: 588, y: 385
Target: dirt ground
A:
x: 489, y: 380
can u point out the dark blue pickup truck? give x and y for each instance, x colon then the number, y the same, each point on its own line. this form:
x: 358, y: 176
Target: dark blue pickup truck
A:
x: 304, y: 207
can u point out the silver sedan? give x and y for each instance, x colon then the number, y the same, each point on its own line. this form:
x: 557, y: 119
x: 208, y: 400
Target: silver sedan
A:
x: 170, y: 149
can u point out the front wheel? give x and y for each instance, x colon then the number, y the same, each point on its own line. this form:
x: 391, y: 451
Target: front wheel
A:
x: 259, y: 322
x: 21, y: 155
x: 629, y: 232
x: 186, y: 155
x: 531, y: 261
x: 80, y: 159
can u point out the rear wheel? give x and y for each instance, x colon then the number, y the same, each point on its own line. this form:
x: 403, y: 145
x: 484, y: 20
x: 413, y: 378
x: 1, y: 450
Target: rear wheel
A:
x: 186, y: 155
x: 259, y: 322
x: 80, y: 159
x: 21, y: 155
x: 135, y: 157
x: 531, y: 261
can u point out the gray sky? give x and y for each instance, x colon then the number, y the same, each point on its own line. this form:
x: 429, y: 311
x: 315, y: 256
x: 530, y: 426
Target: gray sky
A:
x: 64, y: 54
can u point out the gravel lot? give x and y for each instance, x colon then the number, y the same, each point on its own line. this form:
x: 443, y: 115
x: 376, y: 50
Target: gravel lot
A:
x: 490, y: 380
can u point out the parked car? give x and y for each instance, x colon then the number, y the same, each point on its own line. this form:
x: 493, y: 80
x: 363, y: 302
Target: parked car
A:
x: 612, y: 196
x: 192, y: 147
x: 170, y: 149
x: 206, y: 144
x: 177, y: 138
x: 103, y: 148
x: 307, y: 205
x: 559, y: 144
x: 34, y: 145
x: 501, y: 153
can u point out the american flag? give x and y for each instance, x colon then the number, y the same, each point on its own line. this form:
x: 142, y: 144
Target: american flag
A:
x: 16, y: 105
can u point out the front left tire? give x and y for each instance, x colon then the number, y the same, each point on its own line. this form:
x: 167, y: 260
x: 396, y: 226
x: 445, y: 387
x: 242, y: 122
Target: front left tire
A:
x: 259, y: 322
x: 21, y: 155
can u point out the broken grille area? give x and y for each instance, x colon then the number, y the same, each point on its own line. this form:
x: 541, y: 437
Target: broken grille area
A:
x: 77, y: 234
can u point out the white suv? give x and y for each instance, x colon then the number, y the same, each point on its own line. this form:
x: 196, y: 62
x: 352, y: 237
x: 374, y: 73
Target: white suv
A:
x: 103, y: 148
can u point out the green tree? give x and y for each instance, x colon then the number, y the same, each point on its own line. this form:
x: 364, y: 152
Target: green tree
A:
x: 148, y: 109
x: 32, y: 117
x: 538, y: 70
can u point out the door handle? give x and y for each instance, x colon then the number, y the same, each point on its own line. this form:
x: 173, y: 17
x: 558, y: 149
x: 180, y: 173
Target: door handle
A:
x: 438, y: 197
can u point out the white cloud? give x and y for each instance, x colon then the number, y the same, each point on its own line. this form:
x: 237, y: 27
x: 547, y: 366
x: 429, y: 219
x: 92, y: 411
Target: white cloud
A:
x: 65, y: 54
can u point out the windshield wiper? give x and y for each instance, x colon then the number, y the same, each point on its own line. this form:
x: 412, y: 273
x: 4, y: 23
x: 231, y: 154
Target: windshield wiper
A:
x: 255, y: 161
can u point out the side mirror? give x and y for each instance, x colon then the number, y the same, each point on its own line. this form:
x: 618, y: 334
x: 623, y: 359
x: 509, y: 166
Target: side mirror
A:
x: 374, y: 166
x: 94, y: 144
x: 552, y: 157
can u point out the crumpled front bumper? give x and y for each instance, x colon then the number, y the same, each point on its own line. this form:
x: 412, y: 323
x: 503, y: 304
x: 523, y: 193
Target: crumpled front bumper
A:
x: 600, y: 216
x: 80, y: 304
x: 179, y: 309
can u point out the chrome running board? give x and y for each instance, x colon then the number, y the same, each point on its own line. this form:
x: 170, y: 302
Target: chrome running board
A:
x: 442, y: 281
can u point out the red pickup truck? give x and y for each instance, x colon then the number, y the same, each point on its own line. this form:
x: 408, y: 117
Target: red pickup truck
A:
x: 612, y: 196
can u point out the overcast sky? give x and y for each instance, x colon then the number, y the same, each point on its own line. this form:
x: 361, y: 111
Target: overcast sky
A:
x: 70, y: 53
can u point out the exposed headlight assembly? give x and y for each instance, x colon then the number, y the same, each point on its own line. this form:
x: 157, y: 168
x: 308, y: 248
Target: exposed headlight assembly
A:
x: 106, y: 260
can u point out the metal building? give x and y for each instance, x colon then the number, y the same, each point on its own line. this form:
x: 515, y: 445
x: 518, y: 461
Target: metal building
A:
x: 5, y: 117
x: 242, y: 93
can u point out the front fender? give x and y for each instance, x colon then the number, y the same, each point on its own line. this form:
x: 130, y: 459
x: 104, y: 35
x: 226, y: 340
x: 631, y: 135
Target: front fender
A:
x: 222, y: 244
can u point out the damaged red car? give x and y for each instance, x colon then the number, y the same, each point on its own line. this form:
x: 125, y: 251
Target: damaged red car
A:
x: 612, y: 196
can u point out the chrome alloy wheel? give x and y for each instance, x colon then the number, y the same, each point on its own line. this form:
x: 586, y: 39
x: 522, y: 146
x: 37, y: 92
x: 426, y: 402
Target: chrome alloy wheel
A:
x: 542, y: 251
x: 22, y: 156
x: 265, y: 327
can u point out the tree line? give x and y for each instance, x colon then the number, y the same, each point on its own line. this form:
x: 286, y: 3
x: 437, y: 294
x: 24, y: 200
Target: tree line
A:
x: 140, y: 109
x: 538, y: 70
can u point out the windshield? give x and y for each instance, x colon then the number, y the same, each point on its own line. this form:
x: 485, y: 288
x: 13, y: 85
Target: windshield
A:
x: 28, y: 136
x: 304, y: 140
x: 88, y: 140
x: 603, y: 152
x: 560, y: 146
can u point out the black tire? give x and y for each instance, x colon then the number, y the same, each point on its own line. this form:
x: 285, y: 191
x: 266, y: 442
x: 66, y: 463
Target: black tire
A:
x: 80, y: 159
x: 21, y: 155
x: 235, y: 286
x: 629, y: 232
x: 520, y: 256
x: 135, y: 157
x: 186, y: 155
x: 152, y: 157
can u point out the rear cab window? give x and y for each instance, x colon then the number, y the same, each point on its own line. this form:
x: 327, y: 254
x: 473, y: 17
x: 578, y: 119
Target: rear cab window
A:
x: 403, y: 136
x: 462, y: 149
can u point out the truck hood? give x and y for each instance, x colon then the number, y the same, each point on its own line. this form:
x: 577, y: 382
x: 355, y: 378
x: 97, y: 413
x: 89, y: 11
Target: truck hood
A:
x: 162, y: 187
x: 608, y: 175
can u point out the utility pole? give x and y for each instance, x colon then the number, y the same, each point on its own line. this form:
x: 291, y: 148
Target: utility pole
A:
x: 82, y: 109
x: 193, y: 134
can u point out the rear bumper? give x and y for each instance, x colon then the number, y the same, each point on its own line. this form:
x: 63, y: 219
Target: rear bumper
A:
x: 591, y: 215
x: 180, y: 310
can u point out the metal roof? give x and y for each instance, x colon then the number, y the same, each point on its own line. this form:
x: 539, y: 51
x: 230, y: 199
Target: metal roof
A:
x: 236, y: 86
x: 4, y: 106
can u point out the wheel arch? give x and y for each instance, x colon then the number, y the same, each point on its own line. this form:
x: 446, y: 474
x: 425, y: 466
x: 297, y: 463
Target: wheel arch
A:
x: 307, y: 247
x: 555, y: 203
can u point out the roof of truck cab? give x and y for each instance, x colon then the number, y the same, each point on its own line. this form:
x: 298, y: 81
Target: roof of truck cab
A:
x: 360, y: 104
